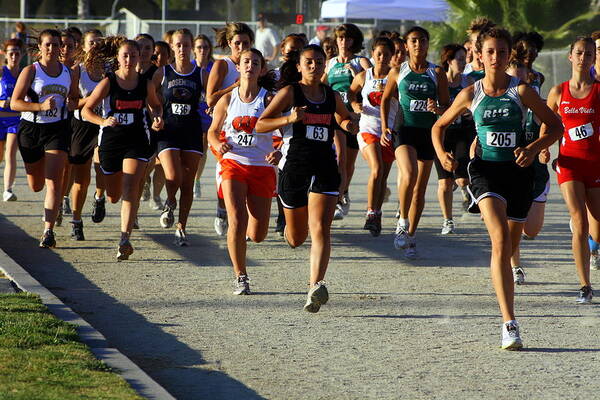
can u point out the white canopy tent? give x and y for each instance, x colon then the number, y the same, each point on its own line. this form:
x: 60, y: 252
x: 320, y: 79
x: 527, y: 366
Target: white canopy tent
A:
x: 421, y: 10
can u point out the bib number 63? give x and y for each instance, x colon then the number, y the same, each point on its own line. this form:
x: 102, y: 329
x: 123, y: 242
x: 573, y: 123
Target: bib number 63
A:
x: 319, y: 133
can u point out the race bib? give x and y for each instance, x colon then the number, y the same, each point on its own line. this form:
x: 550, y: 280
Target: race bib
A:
x: 318, y: 133
x: 418, y: 105
x: 581, y: 132
x: 124, y: 118
x: 501, y: 139
x: 181, y: 109
x: 344, y: 96
x: 245, y: 140
x: 52, y: 113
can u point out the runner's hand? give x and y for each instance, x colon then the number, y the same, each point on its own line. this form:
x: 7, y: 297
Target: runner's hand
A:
x: 273, y: 157
x: 432, y: 106
x: 544, y: 156
x: 296, y: 115
x: 386, y: 138
x: 449, y: 163
x: 224, y: 148
x: 110, y: 122
x: 48, y: 104
x: 524, y: 156
x: 157, y: 123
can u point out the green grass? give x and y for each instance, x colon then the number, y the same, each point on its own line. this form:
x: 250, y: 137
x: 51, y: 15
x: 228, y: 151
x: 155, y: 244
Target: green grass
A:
x: 41, y: 357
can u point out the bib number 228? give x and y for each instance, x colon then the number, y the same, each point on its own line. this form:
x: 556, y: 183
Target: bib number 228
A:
x: 318, y: 133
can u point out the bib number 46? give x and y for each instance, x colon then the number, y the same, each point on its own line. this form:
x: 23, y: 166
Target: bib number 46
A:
x: 581, y: 132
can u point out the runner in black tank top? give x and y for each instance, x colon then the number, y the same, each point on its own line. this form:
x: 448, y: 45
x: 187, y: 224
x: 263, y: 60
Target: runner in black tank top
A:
x: 309, y: 163
x: 124, y: 142
x: 180, y: 143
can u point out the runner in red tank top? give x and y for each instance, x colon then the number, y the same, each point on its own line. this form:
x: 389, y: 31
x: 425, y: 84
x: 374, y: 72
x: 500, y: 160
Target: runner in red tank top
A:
x: 578, y: 164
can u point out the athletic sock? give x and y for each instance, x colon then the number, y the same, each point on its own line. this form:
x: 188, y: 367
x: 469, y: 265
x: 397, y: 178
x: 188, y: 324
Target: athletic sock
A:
x: 403, y: 222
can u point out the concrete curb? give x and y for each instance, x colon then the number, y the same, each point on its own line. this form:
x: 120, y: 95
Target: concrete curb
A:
x: 138, y: 379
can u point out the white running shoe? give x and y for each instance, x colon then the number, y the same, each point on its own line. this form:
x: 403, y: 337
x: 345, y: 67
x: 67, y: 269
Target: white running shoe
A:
x: 411, y: 248
x: 585, y: 295
x: 518, y: 275
x: 317, y: 296
x: 125, y: 250
x: 447, y: 227
x: 8, y: 195
x: 156, y: 203
x: 241, y: 285
x: 511, y: 339
x: 339, y: 212
x: 180, y: 238
x: 345, y: 203
x: 197, y: 189
x: 401, y: 238
x: 167, y: 219
x: 595, y: 260
x: 221, y: 224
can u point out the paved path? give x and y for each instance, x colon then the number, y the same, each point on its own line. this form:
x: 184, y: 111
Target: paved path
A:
x: 428, y: 329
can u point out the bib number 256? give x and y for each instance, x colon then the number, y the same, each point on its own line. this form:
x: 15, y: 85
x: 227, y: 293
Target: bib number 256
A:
x: 318, y: 133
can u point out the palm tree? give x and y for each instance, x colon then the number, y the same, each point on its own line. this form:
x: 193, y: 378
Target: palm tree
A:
x: 557, y: 20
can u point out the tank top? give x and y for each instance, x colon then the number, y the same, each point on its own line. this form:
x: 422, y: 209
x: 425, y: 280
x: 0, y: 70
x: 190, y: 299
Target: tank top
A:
x: 7, y: 86
x: 581, y: 119
x: 127, y: 106
x: 44, y: 86
x: 308, y: 145
x: 372, y: 93
x: 340, y: 78
x: 149, y: 72
x: 532, y: 127
x: 86, y: 87
x: 413, y: 91
x: 499, y: 122
x: 232, y: 74
x: 181, y: 96
x: 248, y: 146
x: 453, y: 91
x: 476, y: 75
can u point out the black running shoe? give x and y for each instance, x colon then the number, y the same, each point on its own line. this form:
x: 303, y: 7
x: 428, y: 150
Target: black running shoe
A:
x: 98, y: 210
x: 77, y: 232
x: 48, y: 239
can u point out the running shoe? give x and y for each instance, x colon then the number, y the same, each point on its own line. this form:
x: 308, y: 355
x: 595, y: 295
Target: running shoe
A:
x: 8, y: 195
x: 280, y: 224
x: 339, y: 212
x: 518, y: 275
x: 77, y: 231
x: 221, y: 224
x: 98, y: 209
x: 180, y: 238
x: 125, y: 250
x: 411, y: 249
x: 345, y: 203
x: 511, y: 339
x: 48, y: 240
x: 447, y: 227
x: 59, y: 217
x: 167, y: 219
x: 585, y: 295
x: 373, y: 224
x: 67, y: 206
x: 401, y: 238
x: 317, y: 296
x: 595, y: 260
x: 146, y: 191
x: 197, y: 189
x: 526, y: 237
x: 136, y: 223
x: 156, y: 203
x: 241, y: 285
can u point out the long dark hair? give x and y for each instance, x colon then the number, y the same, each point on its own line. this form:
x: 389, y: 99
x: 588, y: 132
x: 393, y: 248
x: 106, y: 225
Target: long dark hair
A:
x: 289, y: 71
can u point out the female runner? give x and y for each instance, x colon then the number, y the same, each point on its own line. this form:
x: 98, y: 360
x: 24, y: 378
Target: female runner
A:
x: 474, y: 69
x: 578, y: 166
x: 501, y: 173
x: 223, y: 78
x: 9, y: 123
x: 84, y: 137
x: 339, y: 73
x: 422, y: 89
x: 43, y: 134
x: 309, y: 181
x: 459, y: 137
x: 124, y: 142
x: 370, y: 85
x: 180, y: 142
x: 203, y: 53
x: 248, y: 176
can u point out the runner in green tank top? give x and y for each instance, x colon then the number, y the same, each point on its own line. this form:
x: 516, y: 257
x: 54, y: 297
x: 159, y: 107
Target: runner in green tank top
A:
x: 500, y: 176
x: 422, y: 90
x: 339, y: 73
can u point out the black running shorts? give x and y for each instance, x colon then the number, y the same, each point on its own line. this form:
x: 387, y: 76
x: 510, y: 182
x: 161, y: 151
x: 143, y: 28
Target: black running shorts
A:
x: 35, y: 139
x: 294, y: 185
x: 418, y: 138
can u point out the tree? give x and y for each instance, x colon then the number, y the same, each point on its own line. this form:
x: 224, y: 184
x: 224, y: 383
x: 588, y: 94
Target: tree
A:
x: 559, y: 21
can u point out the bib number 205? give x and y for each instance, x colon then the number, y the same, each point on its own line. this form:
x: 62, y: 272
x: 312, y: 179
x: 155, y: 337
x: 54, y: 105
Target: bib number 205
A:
x: 501, y: 139
x: 318, y: 133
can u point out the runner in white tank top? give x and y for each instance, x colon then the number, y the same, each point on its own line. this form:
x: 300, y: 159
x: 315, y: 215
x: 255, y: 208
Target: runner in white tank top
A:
x: 247, y: 164
x: 370, y: 84
x: 223, y: 77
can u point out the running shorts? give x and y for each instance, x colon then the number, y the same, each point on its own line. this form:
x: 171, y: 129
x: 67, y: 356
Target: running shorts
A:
x: 35, y: 139
x: 261, y: 180
x: 366, y: 138
x: 294, y: 186
x: 84, y: 139
x: 417, y: 138
x: 576, y: 169
x: 458, y: 142
x: 180, y: 139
